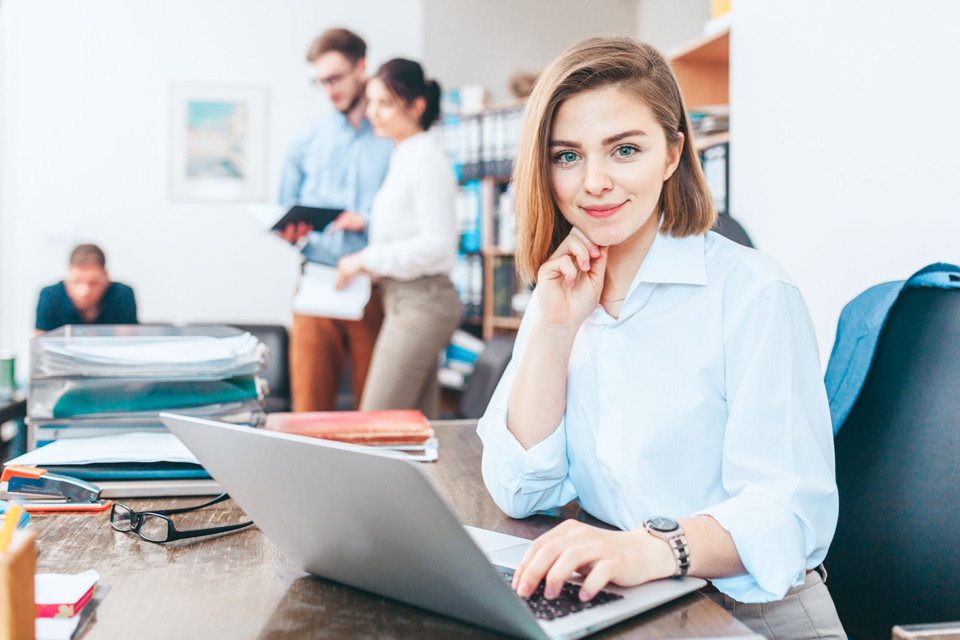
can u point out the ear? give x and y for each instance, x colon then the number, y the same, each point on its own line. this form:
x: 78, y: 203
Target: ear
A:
x: 418, y: 106
x: 674, y: 153
x: 362, y: 67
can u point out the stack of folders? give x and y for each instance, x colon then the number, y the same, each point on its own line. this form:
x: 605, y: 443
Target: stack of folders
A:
x: 407, y: 432
x: 95, y: 381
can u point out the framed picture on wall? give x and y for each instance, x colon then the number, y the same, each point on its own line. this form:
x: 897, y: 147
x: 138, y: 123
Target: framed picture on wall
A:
x: 218, y: 143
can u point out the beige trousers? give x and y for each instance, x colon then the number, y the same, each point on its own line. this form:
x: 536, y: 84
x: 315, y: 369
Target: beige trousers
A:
x: 420, y: 316
x: 805, y: 613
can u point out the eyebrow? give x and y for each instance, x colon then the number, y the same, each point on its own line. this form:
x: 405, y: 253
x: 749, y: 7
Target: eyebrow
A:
x: 621, y: 136
x: 606, y: 141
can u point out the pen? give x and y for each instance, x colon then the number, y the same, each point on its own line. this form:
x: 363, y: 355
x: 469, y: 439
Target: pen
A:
x: 13, y: 517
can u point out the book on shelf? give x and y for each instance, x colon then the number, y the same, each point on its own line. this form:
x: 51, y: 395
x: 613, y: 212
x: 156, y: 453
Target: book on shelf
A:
x: 482, y: 144
x: 716, y: 169
x: 504, y: 285
x: 467, y: 277
x: 468, y: 216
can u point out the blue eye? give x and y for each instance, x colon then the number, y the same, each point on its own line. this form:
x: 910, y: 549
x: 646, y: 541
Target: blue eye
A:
x: 568, y: 156
x: 626, y: 151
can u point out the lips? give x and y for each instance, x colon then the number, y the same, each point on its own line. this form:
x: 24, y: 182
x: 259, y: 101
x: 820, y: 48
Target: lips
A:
x: 603, y: 210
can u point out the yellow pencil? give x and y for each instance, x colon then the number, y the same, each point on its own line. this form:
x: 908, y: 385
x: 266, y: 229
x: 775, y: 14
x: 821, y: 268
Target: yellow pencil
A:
x: 13, y: 516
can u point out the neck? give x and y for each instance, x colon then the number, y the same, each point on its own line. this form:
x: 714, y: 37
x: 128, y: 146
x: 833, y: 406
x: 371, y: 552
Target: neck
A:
x: 356, y: 111
x: 397, y: 139
x: 624, y: 259
x: 89, y: 314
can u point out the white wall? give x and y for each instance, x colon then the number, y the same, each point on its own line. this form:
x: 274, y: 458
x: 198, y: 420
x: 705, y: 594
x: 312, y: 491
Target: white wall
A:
x: 844, y: 156
x: 669, y: 24
x: 86, y: 133
x: 485, y: 41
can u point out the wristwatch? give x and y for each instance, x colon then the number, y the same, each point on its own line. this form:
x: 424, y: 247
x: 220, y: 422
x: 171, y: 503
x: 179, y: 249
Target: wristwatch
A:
x: 669, y: 529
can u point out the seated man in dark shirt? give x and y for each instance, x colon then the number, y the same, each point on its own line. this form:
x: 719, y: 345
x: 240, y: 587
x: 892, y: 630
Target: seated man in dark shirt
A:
x: 87, y: 296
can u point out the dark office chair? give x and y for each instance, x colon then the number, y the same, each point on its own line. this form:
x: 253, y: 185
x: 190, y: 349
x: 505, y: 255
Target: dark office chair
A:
x: 277, y: 373
x: 732, y: 230
x: 895, y: 558
x: 489, y: 368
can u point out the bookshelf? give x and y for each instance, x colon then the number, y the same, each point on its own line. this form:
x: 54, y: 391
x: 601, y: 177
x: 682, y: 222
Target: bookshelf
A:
x: 702, y: 68
x: 482, y: 147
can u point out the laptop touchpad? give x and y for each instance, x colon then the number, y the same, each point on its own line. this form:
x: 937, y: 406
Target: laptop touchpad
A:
x: 509, y: 557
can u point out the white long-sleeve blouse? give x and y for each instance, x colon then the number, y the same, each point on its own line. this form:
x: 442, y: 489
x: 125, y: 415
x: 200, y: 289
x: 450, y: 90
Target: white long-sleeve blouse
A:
x: 413, y: 226
x: 705, y: 397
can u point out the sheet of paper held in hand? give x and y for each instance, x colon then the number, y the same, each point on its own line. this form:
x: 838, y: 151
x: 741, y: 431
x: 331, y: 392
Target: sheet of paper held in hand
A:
x: 318, y: 295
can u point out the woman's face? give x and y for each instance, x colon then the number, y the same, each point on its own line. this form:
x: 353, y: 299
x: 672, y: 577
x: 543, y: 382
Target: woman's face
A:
x: 389, y: 115
x: 609, y: 159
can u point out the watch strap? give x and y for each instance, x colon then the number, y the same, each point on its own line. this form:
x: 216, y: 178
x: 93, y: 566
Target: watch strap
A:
x: 678, y: 544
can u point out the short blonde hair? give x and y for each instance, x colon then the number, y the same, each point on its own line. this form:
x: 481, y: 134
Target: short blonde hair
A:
x: 634, y: 68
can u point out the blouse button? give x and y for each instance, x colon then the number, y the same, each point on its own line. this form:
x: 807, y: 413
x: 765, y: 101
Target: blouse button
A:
x: 613, y: 333
x: 611, y: 399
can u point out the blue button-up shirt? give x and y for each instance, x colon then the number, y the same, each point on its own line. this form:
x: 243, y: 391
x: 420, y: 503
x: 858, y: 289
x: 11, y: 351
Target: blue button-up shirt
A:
x: 331, y: 164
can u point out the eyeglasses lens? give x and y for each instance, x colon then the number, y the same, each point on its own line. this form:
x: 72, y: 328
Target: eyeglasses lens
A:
x: 154, y: 527
x: 121, y: 517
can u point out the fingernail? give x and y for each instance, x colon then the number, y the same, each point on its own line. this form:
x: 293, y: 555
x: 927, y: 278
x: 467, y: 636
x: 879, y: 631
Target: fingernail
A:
x: 594, y: 251
x: 585, y: 265
x: 585, y: 595
x: 549, y: 593
x: 524, y: 590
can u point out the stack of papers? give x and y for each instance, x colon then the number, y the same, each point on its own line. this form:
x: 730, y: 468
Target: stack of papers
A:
x: 99, y: 380
x: 121, y: 351
x: 126, y: 447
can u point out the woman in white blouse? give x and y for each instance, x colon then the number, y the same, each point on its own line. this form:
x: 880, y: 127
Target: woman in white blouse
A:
x: 412, y: 244
x: 663, y: 376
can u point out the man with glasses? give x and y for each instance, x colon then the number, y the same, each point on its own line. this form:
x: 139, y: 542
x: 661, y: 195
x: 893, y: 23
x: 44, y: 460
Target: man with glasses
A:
x: 337, y: 163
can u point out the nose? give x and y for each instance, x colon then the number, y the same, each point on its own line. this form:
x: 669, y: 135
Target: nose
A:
x: 596, y: 180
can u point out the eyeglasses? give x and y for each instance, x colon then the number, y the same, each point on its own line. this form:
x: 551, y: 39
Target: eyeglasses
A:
x: 333, y: 80
x: 155, y: 526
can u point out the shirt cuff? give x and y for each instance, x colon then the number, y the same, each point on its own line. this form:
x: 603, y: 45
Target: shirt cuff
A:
x: 368, y: 259
x: 533, y: 470
x: 770, y: 543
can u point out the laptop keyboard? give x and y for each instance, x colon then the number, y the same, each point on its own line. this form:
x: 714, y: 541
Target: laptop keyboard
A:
x: 566, y: 603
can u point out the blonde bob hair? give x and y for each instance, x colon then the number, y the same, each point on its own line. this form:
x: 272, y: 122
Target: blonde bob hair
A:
x: 632, y: 67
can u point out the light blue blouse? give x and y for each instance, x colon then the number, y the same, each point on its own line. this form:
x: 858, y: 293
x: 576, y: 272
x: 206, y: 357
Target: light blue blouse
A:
x: 705, y: 397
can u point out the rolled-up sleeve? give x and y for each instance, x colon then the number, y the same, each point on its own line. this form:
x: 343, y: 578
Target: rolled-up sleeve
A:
x: 522, y: 481
x: 778, y: 461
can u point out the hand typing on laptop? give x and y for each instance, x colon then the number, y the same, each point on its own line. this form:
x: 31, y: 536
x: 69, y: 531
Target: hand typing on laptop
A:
x: 625, y: 558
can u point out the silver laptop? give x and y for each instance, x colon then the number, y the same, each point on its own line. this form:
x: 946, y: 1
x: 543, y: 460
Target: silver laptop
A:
x: 374, y: 521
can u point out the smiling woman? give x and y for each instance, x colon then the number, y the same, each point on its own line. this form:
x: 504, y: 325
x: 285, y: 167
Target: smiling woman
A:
x: 664, y: 377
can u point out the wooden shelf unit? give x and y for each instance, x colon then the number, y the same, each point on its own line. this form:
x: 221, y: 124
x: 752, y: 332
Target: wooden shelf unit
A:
x: 492, y: 324
x: 703, y: 70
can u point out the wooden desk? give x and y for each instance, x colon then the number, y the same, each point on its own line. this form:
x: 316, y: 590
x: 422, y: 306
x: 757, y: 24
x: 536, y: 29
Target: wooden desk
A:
x: 240, y: 586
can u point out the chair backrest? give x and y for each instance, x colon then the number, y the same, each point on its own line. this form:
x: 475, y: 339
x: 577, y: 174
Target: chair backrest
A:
x: 489, y: 368
x: 895, y: 558
x: 731, y: 230
x: 277, y: 373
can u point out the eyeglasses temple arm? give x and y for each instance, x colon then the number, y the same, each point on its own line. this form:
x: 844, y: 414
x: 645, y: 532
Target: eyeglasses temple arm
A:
x: 181, y: 535
x: 167, y: 512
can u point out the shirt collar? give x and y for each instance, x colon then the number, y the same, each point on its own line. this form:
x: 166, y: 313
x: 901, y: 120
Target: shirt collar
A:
x: 341, y: 120
x: 674, y: 260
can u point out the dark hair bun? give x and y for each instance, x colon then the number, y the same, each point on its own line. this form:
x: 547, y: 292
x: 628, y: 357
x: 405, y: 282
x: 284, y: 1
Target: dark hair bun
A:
x: 405, y: 79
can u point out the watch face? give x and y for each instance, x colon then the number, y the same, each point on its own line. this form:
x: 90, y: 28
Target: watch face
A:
x: 663, y: 524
